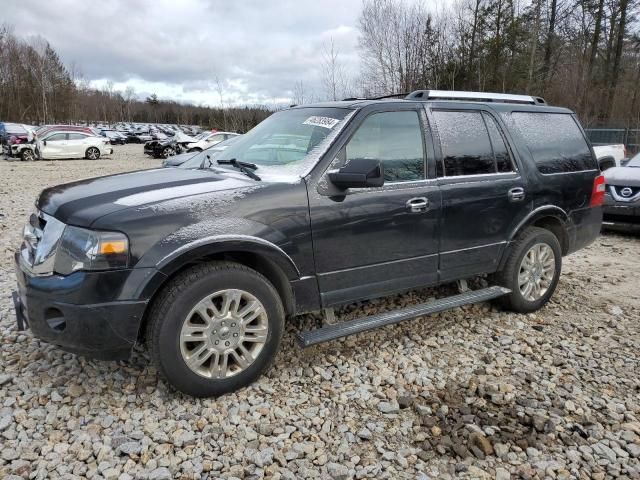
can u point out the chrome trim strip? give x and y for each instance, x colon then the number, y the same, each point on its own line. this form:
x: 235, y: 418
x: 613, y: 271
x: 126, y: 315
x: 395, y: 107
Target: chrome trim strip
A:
x: 369, y: 265
x: 473, y: 248
x: 216, y: 239
x: 570, y: 173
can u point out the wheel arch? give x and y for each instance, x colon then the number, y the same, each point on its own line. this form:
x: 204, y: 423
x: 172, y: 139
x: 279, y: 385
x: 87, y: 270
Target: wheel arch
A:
x: 549, y: 217
x: 258, y: 254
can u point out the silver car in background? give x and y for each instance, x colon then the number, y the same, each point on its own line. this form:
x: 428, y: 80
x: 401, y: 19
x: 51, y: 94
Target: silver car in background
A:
x: 622, y: 197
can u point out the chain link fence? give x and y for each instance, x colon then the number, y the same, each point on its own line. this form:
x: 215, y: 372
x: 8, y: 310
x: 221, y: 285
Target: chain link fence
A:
x: 629, y: 137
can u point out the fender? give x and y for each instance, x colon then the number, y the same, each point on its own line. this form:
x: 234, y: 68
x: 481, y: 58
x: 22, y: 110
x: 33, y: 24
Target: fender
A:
x: 228, y: 243
x: 207, y: 246
x: 535, y: 214
x: 544, y: 211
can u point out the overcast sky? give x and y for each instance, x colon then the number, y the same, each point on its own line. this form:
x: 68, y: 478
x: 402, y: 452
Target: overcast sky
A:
x: 176, y: 49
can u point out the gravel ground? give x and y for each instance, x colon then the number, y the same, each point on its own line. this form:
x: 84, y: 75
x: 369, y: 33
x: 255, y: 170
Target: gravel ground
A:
x: 470, y: 393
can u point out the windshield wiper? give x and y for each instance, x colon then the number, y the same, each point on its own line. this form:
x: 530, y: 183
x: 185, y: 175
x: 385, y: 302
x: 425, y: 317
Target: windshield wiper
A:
x: 245, y: 167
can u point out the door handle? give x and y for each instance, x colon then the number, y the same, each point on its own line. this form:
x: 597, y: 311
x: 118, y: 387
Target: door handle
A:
x: 516, y: 194
x: 418, y: 204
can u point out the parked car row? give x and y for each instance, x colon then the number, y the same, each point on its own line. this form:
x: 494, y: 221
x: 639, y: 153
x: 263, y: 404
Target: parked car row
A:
x: 179, y: 143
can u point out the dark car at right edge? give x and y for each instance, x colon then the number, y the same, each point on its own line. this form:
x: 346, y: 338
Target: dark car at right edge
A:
x: 316, y: 207
x: 622, y: 200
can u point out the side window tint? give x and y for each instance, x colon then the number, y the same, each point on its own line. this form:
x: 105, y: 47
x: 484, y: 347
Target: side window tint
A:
x: 56, y: 137
x: 394, y: 138
x: 466, y: 149
x: 500, y: 150
x: 76, y: 136
x: 555, y: 142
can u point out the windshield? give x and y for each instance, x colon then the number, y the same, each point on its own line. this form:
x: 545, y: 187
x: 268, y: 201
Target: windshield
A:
x: 290, y: 141
x: 635, y: 161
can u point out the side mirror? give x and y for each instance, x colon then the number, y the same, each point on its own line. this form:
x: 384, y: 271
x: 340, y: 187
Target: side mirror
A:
x: 358, y: 173
x: 44, y: 142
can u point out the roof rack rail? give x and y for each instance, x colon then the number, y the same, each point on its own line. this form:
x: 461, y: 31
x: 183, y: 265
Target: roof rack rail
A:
x: 392, y: 95
x: 475, y: 97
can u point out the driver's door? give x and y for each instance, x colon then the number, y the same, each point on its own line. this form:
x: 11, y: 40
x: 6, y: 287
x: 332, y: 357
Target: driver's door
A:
x: 370, y: 242
x: 54, y: 146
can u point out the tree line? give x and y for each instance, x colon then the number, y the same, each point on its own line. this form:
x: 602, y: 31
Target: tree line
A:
x: 37, y: 88
x: 583, y: 54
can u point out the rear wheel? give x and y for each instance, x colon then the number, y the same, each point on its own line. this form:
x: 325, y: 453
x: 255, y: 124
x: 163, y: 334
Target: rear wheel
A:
x: 215, y: 328
x: 168, y: 152
x: 532, y: 270
x: 92, y: 153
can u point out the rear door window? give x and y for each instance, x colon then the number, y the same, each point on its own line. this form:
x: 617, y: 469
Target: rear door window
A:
x: 501, y: 153
x: 466, y: 149
x: 555, y: 141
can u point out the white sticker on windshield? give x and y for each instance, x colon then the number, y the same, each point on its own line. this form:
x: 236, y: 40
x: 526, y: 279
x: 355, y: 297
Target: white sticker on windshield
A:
x: 326, y: 122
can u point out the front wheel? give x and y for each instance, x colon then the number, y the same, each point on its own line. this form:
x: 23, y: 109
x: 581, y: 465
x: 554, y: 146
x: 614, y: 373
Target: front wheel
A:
x: 215, y: 328
x: 532, y: 270
x: 28, y: 155
x: 92, y: 153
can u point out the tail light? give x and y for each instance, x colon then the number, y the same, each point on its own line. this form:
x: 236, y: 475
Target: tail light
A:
x: 597, y: 194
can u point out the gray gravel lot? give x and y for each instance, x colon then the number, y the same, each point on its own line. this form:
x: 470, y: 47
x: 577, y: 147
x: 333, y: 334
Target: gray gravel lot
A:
x: 470, y: 393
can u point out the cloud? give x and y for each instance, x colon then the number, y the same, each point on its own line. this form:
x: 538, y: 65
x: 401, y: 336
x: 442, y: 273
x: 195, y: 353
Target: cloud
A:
x: 254, y: 51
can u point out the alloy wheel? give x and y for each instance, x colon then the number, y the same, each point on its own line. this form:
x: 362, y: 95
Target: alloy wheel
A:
x: 93, y: 153
x: 537, y: 271
x: 223, y: 334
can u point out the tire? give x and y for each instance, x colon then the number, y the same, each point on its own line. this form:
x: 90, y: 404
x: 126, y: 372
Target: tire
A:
x: 167, y: 152
x: 28, y: 155
x: 92, y: 153
x: 175, y: 315
x: 515, y: 271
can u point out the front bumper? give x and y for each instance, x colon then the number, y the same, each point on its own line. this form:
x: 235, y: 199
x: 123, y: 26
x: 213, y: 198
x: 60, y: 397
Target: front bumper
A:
x: 78, y: 312
x: 621, y: 214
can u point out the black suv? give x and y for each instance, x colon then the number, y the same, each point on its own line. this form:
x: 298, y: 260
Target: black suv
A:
x: 317, y: 206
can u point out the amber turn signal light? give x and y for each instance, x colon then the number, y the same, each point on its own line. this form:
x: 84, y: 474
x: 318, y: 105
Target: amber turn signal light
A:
x: 112, y: 247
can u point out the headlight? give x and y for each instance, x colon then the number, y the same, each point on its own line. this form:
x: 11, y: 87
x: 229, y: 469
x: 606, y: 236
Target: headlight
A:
x: 82, y: 249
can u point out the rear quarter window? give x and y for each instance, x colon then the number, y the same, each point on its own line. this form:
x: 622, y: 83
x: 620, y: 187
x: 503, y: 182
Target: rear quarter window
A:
x: 555, y: 141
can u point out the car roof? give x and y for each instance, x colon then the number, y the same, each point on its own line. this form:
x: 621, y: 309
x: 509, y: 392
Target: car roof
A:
x: 498, y: 106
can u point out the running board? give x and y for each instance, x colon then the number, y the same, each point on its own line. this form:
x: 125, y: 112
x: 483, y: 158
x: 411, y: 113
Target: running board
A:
x: 363, y: 324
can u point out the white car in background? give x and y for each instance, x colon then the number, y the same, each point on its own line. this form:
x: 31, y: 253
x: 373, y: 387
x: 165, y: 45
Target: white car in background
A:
x: 610, y: 155
x: 59, y: 144
x: 208, y: 139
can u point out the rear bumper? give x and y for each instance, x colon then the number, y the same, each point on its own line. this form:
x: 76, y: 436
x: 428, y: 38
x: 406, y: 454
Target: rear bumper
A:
x: 103, y: 330
x: 584, y: 228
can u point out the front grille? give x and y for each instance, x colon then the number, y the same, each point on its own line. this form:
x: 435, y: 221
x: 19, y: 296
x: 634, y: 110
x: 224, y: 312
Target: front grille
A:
x: 40, y: 240
x: 622, y: 193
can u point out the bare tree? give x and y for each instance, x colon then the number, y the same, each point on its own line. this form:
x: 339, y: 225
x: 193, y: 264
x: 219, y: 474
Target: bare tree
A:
x: 298, y: 93
x: 333, y: 75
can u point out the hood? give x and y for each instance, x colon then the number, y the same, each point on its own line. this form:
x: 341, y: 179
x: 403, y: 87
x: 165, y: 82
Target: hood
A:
x: 81, y: 203
x: 622, y: 176
x: 183, y: 138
